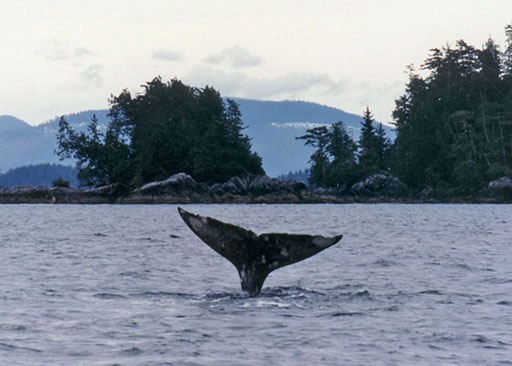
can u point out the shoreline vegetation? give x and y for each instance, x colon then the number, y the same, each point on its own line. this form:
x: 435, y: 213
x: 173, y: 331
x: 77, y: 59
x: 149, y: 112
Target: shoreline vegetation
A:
x: 183, y: 189
x: 453, y: 144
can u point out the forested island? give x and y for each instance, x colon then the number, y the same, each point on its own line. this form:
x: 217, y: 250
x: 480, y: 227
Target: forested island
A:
x: 453, y: 143
x: 454, y: 128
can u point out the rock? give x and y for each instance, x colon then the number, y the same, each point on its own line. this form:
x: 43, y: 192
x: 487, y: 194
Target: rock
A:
x: 272, y: 198
x: 178, y: 188
x: 27, y: 194
x: 182, y: 188
x: 503, y: 183
x: 235, y: 185
x: 379, y: 184
x: 228, y: 187
x: 40, y: 194
x: 176, y: 184
x: 240, y: 183
x: 325, y: 191
x: 297, y: 186
x: 103, y: 190
x: 264, y: 184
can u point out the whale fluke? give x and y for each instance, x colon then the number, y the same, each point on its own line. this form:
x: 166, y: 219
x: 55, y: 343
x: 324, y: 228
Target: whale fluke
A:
x: 255, y: 256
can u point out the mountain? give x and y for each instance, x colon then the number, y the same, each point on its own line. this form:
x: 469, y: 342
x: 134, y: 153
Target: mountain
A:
x: 22, y: 144
x: 39, y: 175
x: 10, y: 123
x: 272, y: 127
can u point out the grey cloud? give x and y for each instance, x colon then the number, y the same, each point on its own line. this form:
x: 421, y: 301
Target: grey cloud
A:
x: 55, y: 51
x: 91, y: 77
x: 291, y: 85
x: 167, y: 55
x: 371, y: 92
x: 60, y: 51
x: 226, y: 83
x: 81, y: 51
x: 236, y: 56
x: 294, y: 84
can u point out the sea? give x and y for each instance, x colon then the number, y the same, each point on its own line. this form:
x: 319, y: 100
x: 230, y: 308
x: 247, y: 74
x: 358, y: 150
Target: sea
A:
x: 409, y: 284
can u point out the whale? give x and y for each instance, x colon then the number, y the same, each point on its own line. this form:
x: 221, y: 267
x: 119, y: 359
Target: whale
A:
x: 255, y: 256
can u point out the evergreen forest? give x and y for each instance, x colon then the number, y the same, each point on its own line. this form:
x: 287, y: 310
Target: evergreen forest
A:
x: 453, y: 122
x: 297, y: 176
x: 39, y: 175
x: 169, y: 128
x: 339, y: 161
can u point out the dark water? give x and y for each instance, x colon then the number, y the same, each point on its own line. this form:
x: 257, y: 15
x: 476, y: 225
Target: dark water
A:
x: 131, y: 285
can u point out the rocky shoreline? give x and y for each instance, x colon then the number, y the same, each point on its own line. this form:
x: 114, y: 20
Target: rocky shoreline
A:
x: 182, y: 189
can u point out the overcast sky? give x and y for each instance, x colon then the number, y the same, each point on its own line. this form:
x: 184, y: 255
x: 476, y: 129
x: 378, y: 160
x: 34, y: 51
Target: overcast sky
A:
x: 67, y: 56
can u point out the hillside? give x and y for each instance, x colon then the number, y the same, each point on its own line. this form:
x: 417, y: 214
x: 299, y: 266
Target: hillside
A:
x: 39, y: 175
x: 272, y: 126
x: 9, y: 123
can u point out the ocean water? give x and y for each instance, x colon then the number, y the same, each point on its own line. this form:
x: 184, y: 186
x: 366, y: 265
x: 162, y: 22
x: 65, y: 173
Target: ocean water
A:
x: 132, y: 285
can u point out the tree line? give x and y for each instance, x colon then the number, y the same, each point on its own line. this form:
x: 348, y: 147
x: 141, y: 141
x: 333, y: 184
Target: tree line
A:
x: 169, y: 128
x: 454, y: 126
x: 297, y: 176
x: 453, y: 123
x: 338, y: 160
x: 39, y: 175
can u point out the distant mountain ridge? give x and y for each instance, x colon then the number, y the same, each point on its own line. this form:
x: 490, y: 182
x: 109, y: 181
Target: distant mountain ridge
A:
x: 39, y: 175
x: 292, y: 111
x: 272, y: 127
x: 9, y: 123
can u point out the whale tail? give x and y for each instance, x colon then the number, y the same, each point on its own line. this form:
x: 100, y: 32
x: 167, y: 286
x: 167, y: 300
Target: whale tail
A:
x: 255, y: 256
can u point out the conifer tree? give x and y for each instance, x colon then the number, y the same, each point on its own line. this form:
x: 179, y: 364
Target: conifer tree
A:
x: 168, y: 129
x: 317, y: 137
x: 333, y: 162
x: 342, y: 171
x: 371, y: 146
x: 454, y: 126
x: 507, y: 55
x: 383, y: 146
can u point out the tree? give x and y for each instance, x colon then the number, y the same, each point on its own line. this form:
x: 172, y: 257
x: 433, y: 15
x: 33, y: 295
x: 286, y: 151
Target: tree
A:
x: 333, y: 162
x: 39, y: 175
x: 507, y: 56
x: 373, y: 146
x: 170, y: 128
x: 61, y: 183
x: 383, y: 147
x: 101, y: 159
x: 317, y: 137
x: 454, y: 125
x: 342, y: 170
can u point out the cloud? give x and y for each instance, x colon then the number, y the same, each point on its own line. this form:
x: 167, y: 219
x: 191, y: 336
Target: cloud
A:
x: 80, y: 52
x: 294, y: 84
x: 227, y: 83
x: 291, y: 85
x: 167, y: 55
x: 60, y: 51
x: 55, y: 51
x: 91, y: 77
x: 351, y: 95
x: 236, y: 57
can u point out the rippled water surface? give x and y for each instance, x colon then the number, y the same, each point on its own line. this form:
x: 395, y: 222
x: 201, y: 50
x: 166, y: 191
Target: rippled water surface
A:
x: 131, y: 285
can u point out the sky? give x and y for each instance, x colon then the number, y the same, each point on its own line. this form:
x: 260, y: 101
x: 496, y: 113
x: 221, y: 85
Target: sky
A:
x: 62, y: 56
